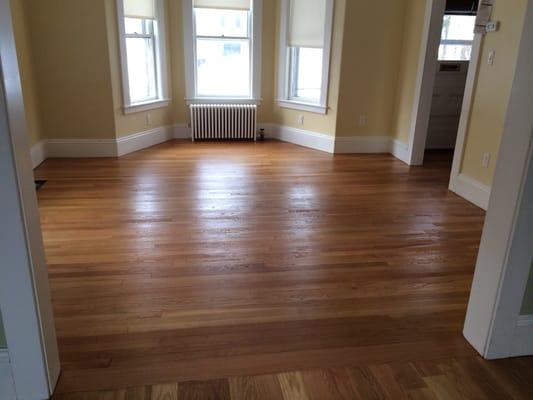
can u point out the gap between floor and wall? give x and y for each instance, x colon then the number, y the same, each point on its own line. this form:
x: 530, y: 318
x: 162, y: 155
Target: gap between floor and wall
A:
x: 463, y: 185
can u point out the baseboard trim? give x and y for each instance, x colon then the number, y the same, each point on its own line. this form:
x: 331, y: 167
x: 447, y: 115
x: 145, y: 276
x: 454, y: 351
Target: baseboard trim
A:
x: 301, y: 137
x: 96, y: 148
x: 362, y: 144
x: 522, y: 341
x: 142, y: 140
x: 400, y: 150
x: 181, y: 131
x: 7, y: 385
x: 38, y: 153
x: 471, y: 190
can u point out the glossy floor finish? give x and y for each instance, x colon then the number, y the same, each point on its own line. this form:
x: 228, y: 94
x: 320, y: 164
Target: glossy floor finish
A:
x: 203, y: 261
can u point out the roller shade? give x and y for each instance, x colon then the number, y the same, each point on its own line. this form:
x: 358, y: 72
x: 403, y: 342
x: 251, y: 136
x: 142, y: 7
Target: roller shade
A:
x: 139, y: 9
x: 306, y: 23
x: 223, y: 4
x: 461, y: 7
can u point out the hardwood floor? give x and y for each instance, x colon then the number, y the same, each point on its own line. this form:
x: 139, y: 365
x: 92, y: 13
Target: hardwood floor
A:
x: 466, y: 378
x: 187, y: 262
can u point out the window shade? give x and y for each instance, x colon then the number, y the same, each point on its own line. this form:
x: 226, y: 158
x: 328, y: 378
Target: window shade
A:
x: 306, y: 23
x: 223, y: 4
x: 139, y: 9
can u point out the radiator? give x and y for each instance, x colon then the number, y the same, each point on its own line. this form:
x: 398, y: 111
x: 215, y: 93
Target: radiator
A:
x: 223, y: 121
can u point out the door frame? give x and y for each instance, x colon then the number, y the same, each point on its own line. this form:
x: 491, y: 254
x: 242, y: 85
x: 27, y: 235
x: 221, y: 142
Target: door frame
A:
x: 428, y: 62
x: 494, y: 324
x: 24, y: 289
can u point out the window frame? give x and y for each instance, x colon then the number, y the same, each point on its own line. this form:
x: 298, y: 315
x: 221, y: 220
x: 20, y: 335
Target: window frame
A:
x: 161, y: 69
x: 284, y: 64
x: 255, y: 39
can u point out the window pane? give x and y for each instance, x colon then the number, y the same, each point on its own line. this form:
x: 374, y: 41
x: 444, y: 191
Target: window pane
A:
x: 306, y: 74
x: 217, y: 22
x: 458, y: 27
x: 138, y: 26
x: 223, y: 68
x: 141, y: 69
x: 455, y: 52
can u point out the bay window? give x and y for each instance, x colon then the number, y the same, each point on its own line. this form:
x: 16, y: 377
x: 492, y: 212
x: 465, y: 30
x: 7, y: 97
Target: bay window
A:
x: 222, y: 42
x: 305, y: 41
x: 142, y: 48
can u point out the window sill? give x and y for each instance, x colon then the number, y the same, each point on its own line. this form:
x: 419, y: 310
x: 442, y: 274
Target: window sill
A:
x: 309, y: 107
x: 149, y: 105
x: 207, y: 100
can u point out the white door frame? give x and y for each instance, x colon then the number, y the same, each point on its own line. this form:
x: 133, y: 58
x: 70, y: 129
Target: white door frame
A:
x: 425, y: 82
x: 24, y: 291
x: 493, y: 323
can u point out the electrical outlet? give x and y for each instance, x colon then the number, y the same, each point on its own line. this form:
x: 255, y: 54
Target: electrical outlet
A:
x: 362, y: 120
x: 148, y: 119
x: 486, y: 160
x: 301, y: 119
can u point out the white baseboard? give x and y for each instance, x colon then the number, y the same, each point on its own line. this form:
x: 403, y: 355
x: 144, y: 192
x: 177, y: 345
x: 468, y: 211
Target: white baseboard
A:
x: 7, y: 386
x: 38, y: 153
x: 523, y: 337
x: 362, y: 144
x: 471, y: 190
x: 400, y: 150
x: 181, y: 131
x: 313, y: 140
x: 92, y: 148
x: 142, y: 140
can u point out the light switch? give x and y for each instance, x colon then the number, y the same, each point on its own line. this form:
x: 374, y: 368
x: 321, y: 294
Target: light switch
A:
x: 490, y: 58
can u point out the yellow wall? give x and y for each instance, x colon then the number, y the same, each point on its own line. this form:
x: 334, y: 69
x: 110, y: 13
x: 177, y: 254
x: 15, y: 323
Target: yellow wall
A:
x: 492, y: 90
x: 369, y: 72
x: 315, y: 122
x: 411, y: 46
x: 27, y: 74
x: 69, y: 42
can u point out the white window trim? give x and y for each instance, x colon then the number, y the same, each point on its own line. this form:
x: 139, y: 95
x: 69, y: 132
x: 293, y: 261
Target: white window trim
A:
x: 284, y: 99
x: 256, y: 50
x: 163, y: 99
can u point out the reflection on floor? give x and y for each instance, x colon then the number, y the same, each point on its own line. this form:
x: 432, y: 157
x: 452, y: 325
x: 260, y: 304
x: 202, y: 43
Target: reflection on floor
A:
x: 201, y: 261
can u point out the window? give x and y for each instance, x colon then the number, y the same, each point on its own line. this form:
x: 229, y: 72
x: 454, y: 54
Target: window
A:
x: 141, y: 28
x: 224, y: 50
x: 457, y: 37
x: 306, y: 27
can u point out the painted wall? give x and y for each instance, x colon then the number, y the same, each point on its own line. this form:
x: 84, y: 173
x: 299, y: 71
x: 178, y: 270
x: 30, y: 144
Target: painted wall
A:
x: 527, y: 305
x: 408, y: 68
x: 492, y: 90
x: 316, y: 122
x: 26, y: 66
x: 369, y: 71
x: 70, y: 54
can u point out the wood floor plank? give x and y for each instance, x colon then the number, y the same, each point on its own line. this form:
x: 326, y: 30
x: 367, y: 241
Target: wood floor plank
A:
x: 207, y: 390
x: 263, y: 387
x: 164, y: 392
x: 293, y: 386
